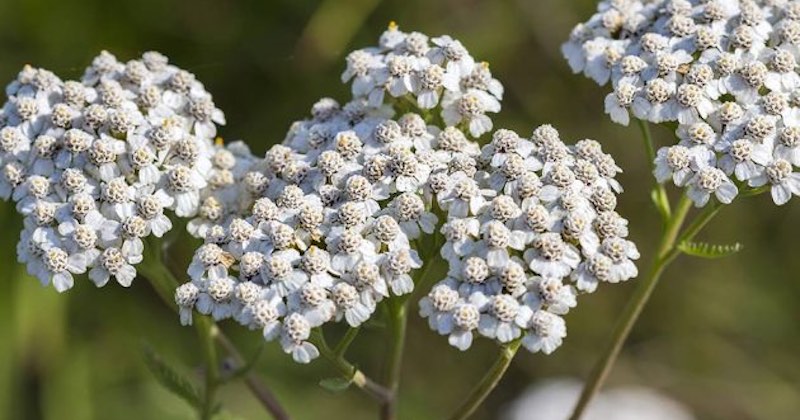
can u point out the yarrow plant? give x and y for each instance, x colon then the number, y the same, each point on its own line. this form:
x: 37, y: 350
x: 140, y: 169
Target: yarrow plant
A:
x: 722, y: 75
x: 343, y: 222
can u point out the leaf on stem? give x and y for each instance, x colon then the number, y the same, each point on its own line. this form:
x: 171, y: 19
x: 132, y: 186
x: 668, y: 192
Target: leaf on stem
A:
x: 337, y: 384
x: 709, y: 251
x: 171, y: 379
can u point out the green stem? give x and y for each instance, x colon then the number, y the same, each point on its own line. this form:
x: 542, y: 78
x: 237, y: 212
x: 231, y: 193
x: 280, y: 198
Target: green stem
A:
x: 488, y: 383
x: 164, y: 283
x: 345, y: 342
x: 667, y: 251
x: 207, y: 331
x: 398, y: 320
x: 348, y: 371
x: 660, y: 196
x: 254, y: 383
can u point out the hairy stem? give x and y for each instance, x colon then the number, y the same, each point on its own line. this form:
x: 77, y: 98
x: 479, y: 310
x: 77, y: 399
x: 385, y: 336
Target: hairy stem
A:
x: 398, y: 319
x: 667, y: 251
x: 488, y: 383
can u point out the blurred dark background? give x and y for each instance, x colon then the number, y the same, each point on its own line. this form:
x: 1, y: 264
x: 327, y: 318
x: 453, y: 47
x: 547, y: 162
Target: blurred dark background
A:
x: 720, y: 336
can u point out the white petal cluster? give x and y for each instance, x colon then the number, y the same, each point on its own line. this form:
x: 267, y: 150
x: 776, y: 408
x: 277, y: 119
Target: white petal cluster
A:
x: 332, y: 222
x: 724, y: 70
x: 531, y: 223
x: 333, y: 217
x: 94, y: 164
x: 335, y: 210
x: 426, y: 72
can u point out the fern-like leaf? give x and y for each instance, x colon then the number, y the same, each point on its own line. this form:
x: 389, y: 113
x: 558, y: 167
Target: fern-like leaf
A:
x: 171, y: 379
x: 710, y: 251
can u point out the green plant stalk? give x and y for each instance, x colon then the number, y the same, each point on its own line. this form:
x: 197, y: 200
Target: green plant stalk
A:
x: 661, y: 197
x: 257, y: 387
x: 207, y: 331
x: 398, y: 320
x: 348, y: 370
x: 666, y: 253
x: 164, y: 283
x: 344, y: 343
x: 488, y: 383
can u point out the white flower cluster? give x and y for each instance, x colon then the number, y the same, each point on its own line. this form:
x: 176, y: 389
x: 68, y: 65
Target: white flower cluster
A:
x: 725, y: 70
x: 426, y: 72
x: 93, y: 164
x: 337, y: 212
x: 530, y: 224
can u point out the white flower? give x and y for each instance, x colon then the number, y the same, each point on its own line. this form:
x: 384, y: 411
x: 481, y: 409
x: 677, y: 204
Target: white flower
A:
x: 469, y: 108
x: 117, y: 263
x: 709, y: 180
x: 397, y: 265
x: 546, y: 332
x: 551, y: 256
x: 782, y: 178
x: 505, y: 318
x: 294, y: 335
x: 58, y: 266
x: 355, y: 307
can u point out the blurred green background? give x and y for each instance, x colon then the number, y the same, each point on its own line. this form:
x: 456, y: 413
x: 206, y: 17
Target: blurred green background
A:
x: 720, y: 336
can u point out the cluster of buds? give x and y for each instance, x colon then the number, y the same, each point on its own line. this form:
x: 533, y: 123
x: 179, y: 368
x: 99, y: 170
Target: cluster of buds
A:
x: 725, y: 71
x: 93, y: 164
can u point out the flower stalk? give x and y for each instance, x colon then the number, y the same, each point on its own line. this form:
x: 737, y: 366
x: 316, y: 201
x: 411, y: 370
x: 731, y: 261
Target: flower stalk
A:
x: 488, y: 383
x: 164, y: 283
x: 348, y: 370
x: 666, y: 253
x: 398, y: 320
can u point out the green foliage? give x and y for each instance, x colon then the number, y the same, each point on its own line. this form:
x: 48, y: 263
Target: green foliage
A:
x: 171, y: 379
x: 338, y: 384
x: 709, y: 251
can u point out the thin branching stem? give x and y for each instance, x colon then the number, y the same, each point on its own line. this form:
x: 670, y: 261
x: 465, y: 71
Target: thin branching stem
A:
x: 488, y: 383
x: 667, y: 252
x: 660, y: 197
x: 348, y: 370
x: 164, y: 283
x: 344, y: 343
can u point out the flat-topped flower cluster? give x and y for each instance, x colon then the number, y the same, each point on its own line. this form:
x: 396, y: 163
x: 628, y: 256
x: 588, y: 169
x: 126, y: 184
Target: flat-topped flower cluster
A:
x: 340, y: 211
x: 94, y: 164
x: 334, y: 220
x: 531, y: 223
x: 724, y: 70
